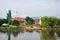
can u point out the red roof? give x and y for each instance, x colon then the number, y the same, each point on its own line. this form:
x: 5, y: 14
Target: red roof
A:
x: 18, y: 19
x: 36, y: 21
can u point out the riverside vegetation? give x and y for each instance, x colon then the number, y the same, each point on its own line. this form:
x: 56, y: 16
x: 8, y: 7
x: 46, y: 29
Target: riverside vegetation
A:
x: 46, y: 21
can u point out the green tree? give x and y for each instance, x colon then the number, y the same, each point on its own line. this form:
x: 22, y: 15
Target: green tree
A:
x: 49, y: 21
x: 29, y: 20
x: 3, y: 21
x: 58, y: 22
x: 44, y: 21
x: 15, y: 22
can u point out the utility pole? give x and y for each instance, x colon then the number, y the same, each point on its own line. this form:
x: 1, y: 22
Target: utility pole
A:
x: 9, y: 22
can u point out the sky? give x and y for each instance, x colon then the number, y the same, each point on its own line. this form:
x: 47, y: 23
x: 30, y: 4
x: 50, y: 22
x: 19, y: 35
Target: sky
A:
x: 32, y: 8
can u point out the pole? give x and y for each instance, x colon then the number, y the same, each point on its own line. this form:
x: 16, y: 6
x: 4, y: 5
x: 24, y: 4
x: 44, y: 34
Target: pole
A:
x: 9, y: 33
x: 9, y: 21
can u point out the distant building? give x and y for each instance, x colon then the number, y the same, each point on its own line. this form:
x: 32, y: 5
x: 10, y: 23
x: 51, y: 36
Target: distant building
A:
x: 21, y: 20
x: 36, y: 21
x: 40, y: 21
x: 18, y: 19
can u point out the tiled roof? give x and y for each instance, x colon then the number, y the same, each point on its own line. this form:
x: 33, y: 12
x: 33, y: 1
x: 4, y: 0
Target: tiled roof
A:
x: 18, y: 19
x: 37, y: 21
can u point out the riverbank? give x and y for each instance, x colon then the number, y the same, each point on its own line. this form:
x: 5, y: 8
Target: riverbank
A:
x: 12, y: 29
x: 21, y: 29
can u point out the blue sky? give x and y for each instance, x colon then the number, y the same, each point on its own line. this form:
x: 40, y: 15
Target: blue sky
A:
x: 23, y: 8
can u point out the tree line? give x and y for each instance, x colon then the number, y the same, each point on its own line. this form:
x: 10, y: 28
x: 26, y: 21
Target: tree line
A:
x: 29, y: 21
x: 50, y: 21
x: 46, y: 21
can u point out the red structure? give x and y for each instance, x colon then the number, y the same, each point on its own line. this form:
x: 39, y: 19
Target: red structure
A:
x: 36, y: 21
x: 18, y: 19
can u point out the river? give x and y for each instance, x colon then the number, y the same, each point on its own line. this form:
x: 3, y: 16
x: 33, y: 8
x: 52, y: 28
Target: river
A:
x: 26, y: 35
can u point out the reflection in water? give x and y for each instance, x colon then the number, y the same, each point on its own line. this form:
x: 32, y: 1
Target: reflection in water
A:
x: 33, y: 35
x: 48, y: 35
x: 58, y: 32
x: 27, y: 36
x: 29, y: 31
x: 15, y: 34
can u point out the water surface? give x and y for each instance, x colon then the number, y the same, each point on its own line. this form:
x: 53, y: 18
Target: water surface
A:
x: 43, y: 35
